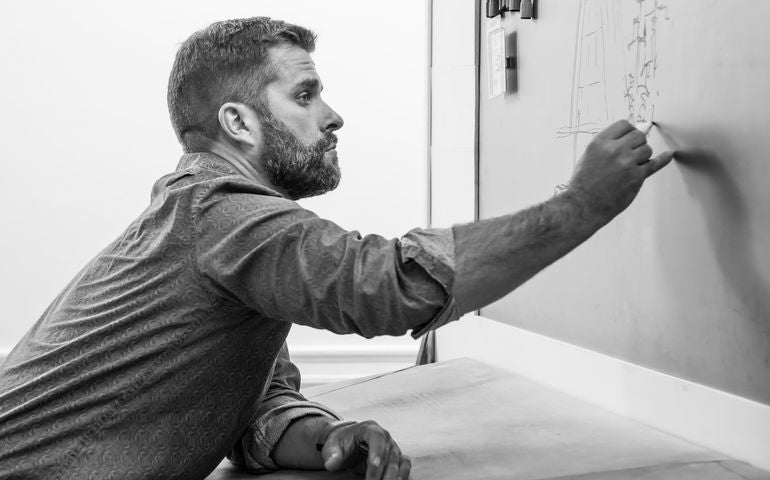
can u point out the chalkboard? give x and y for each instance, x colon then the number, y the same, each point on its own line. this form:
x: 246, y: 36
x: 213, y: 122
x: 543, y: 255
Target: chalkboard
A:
x: 679, y: 282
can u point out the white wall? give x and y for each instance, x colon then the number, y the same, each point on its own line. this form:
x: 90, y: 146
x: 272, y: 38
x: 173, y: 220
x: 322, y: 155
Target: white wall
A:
x: 85, y: 130
x: 453, y: 113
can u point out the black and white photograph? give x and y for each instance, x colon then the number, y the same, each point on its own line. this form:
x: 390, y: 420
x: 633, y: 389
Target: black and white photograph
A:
x: 403, y: 240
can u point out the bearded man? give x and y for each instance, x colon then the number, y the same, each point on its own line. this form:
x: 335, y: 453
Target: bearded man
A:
x: 167, y: 352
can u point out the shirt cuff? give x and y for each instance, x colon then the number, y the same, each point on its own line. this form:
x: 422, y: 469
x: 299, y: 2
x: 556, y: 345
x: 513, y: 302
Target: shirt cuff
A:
x: 434, y: 250
x: 449, y: 313
x: 269, y: 428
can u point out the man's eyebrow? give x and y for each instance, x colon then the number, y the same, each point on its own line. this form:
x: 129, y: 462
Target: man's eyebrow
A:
x: 308, y: 84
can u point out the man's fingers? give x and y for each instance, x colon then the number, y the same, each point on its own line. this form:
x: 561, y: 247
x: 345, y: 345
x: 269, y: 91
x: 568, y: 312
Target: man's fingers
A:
x: 335, y: 457
x: 642, y: 154
x: 366, y: 448
x: 404, y: 468
x: 393, y: 467
x: 339, y: 446
x: 659, y: 162
x: 379, y: 449
x: 634, y: 138
x: 617, y: 130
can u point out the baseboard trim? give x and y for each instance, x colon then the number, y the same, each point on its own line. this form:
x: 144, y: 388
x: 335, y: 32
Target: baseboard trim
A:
x: 715, y: 419
x: 353, y: 354
x: 336, y: 363
x: 313, y: 380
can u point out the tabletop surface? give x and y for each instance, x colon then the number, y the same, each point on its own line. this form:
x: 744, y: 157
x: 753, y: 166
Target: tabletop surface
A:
x: 463, y: 419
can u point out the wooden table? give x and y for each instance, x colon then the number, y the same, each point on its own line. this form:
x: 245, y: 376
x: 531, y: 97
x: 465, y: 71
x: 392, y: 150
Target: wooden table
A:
x: 463, y: 419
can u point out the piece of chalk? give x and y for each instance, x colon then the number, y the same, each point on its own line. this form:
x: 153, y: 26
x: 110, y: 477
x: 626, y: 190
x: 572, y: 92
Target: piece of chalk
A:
x: 644, y: 127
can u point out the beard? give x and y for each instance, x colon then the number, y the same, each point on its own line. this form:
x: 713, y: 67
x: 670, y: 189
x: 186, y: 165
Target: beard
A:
x: 299, y: 170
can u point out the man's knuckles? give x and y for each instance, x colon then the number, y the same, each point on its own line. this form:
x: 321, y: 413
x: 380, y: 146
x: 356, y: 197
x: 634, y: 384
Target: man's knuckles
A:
x: 369, y: 425
x: 635, y: 139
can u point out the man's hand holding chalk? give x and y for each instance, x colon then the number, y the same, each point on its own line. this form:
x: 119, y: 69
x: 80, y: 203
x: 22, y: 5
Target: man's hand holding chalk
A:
x: 614, y: 166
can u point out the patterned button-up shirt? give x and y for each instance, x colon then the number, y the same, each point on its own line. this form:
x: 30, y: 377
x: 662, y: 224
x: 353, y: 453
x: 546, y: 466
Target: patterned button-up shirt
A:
x: 167, y: 351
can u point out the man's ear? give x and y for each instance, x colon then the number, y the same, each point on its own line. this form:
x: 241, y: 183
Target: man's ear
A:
x: 239, y: 123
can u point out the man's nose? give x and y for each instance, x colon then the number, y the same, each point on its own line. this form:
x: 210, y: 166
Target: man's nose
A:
x: 332, y: 120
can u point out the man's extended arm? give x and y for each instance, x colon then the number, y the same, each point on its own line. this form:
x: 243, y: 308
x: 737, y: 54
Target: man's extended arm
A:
x: 495, y: 256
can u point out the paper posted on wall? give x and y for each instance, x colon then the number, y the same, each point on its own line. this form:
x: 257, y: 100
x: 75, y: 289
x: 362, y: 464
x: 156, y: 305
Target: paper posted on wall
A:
x: 496, y: 57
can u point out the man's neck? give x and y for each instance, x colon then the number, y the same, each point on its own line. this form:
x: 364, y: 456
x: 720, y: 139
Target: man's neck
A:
x: 243, y: 165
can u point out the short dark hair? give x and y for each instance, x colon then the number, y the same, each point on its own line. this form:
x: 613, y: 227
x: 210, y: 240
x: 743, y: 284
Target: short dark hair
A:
x: 225, y: 62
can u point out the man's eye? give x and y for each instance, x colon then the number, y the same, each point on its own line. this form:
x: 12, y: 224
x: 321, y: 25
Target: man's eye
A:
x: 303, y: 98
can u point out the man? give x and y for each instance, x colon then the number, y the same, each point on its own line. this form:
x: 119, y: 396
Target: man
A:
x: 166, y: 352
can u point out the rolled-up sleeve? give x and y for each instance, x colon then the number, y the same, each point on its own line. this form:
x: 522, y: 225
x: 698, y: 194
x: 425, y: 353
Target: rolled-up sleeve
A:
x: 433, y: 250
x: 282, y: 405
x: 288, y: 264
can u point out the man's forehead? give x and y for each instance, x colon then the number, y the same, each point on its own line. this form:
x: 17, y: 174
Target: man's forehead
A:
x: 292, y: 64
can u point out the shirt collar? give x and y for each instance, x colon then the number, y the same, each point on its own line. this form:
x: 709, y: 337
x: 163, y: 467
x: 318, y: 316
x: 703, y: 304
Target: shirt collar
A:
x: 214, y: 162
x: 208, y: 161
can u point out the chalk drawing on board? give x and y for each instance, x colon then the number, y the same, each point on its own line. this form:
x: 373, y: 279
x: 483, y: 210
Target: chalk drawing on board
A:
x: 615, y: 63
